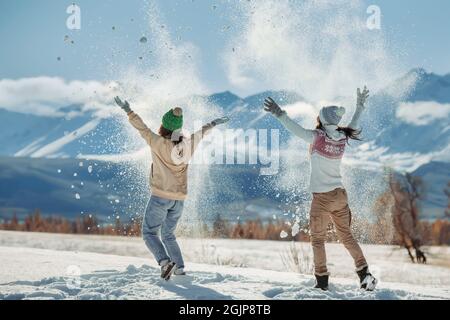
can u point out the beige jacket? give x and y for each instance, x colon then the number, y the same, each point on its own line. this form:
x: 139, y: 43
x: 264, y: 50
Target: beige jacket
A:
x: 168, y: 176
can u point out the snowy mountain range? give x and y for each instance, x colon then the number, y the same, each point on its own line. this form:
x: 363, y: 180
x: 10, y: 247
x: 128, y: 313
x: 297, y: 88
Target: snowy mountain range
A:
x: 406, y: 123
x: 411, y: 133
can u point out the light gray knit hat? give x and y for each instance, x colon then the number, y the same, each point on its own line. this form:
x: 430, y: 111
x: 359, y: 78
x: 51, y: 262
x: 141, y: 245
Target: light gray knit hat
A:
x: 331, y: 115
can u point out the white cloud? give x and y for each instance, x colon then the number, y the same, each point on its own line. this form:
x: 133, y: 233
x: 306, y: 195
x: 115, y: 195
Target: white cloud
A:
x: 423, y: 112
x: 304, y: 112
x: 48, y: 95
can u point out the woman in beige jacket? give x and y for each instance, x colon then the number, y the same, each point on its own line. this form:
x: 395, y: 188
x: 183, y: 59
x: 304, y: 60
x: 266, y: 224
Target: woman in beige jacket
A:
x: 171, y: 153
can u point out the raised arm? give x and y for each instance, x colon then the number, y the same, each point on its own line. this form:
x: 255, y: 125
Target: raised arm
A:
x: 360, y: 107
x: 271, y: 106
x: 136, y: 121
x: 197, y: 137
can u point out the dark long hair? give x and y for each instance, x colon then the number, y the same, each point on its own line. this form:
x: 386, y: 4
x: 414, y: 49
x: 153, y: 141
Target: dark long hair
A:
x: 349, y: 133
x: 168, y: 134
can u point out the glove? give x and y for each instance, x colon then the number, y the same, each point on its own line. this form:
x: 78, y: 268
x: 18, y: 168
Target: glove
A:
x: 220, y: 121
x: 123, y: 104
x: 362, y: 97
x: 272, y: 107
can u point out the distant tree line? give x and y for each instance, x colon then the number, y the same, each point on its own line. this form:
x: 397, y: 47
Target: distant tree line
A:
x: 395, y: 221
x: 86, y: 224
x: 381, y: 230
x: 89, y: 224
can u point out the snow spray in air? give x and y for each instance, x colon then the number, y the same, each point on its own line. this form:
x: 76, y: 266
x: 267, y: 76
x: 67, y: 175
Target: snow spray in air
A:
x: 169, y: 79
x: 322, y: 50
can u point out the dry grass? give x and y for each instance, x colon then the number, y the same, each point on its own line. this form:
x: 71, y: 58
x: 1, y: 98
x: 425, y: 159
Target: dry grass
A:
x: 209, y: 254
x: 296, y: 259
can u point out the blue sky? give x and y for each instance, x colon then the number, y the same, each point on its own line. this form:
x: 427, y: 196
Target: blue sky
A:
x: 32, y: 34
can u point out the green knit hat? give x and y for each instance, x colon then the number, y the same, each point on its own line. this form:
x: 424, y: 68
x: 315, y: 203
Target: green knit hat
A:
x: 173, y: 119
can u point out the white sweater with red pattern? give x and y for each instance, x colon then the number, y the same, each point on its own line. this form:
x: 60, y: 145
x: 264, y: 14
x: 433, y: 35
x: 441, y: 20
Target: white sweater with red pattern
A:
x: 326, y: 152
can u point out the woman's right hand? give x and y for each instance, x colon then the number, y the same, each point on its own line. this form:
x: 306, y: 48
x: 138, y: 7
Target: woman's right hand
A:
x: 271, y: 106
x: 362, y: 97
x: 220, y: 121
x: 123, y: 104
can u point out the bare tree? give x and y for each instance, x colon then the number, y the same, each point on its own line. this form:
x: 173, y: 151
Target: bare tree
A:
x: 382, y: 231
x: 407, y: 190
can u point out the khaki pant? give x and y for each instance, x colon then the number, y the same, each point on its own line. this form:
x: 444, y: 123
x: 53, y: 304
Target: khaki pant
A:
x: 334, y: 205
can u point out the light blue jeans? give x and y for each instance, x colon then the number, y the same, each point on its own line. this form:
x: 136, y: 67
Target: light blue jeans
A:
x: 161, y: 217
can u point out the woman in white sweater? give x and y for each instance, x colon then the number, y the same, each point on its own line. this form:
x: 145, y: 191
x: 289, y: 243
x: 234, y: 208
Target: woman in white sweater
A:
x: 327, y: 147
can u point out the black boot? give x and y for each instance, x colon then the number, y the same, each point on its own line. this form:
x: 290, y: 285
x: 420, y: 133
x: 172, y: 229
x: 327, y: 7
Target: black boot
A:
x: 321, y: 282
x: 167, y: 270
x: 366, y: 279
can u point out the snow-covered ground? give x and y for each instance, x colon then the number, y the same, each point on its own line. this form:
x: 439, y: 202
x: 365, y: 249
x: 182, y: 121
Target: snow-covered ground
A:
x: 49, y: 266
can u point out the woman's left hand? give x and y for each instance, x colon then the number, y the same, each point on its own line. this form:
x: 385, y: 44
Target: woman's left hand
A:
x: 220, y: 121
x: 362, y: 97
x: 271, y: 106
